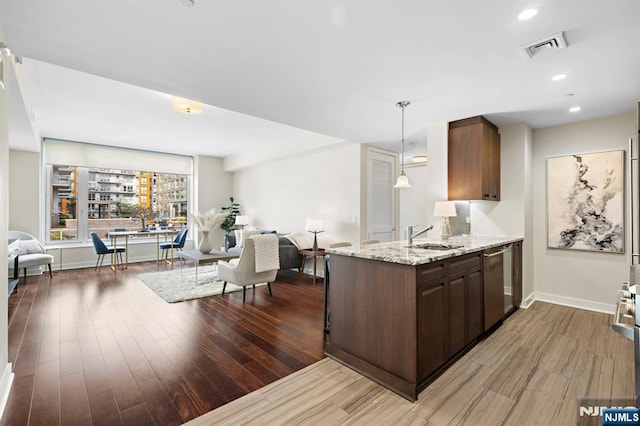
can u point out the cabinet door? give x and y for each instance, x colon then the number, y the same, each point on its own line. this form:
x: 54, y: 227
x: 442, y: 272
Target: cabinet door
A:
x: 457, y: 314
x: 517, y: 273
x: 475, y: 305
x: 465, y: 163
x: 493, y: 289
x: 492, y: 139
x: 473, y: 160
x: 487, y: 162
x: 432, y: 327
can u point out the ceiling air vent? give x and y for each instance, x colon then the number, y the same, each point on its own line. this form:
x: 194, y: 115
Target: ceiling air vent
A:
x: 556, y: 41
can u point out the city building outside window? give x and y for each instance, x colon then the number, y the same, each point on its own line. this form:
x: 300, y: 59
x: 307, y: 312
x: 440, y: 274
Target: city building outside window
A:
x: 88, y: 199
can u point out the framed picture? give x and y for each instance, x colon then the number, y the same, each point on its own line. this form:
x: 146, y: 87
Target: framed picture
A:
x: 585, y: 202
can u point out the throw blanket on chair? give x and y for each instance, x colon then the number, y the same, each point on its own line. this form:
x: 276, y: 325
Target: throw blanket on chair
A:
x: 267, y: 252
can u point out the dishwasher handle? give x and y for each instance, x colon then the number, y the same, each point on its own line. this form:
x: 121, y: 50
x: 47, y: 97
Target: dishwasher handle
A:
x: 504, y: 250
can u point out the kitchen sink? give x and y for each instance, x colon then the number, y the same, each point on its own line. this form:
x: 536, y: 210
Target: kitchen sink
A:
x: 437, y: 246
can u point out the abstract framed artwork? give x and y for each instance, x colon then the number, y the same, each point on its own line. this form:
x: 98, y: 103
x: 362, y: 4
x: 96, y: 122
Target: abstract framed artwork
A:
x: 585, y: 202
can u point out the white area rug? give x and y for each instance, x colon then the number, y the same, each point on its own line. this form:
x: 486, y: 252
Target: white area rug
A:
x: 180, y: 285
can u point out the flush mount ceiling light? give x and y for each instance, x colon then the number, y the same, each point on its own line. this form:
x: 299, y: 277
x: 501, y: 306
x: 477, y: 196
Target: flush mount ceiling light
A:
x: 559, y: 77
x: 186, y: 106
x: 575, y: 109
x: 403, y: 180
x: 527, y: 14
x: 188, y: 3
x: 419, y: 159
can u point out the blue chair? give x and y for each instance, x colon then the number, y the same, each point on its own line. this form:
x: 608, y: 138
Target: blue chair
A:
x: 178, y: 244
x: 101, y: 249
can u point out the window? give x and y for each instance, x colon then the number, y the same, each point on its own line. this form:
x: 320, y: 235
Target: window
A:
x: 85, y: 198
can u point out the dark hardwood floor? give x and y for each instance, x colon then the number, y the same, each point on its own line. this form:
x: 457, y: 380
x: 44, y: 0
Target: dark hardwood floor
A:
x: 103, y: 349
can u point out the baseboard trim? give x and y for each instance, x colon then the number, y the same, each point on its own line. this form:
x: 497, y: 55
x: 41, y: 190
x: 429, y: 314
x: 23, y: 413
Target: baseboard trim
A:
x: 528, y: 301
x: 5, y: 386
x: 588, y: 305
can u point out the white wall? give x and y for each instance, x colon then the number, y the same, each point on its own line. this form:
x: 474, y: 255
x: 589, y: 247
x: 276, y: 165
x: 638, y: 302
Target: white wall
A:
x: 512, y: 215
x: 24, y: 196
x: 280, y: 195
x: 6, y: 375
x: 413, y: 206
x: 579, y: 278
x: 212, y: 188
x: 505, y: 217
x: 428, y: 184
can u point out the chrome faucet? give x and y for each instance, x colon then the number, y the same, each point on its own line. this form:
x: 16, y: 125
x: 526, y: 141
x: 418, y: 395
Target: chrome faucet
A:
x: 411, y: 235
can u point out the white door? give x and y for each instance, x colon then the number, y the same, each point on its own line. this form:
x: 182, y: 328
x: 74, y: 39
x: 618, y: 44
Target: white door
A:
x: 381, y: 196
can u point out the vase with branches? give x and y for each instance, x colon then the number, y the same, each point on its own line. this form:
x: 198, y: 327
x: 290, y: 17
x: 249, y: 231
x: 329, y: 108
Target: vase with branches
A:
x: 207, y: 222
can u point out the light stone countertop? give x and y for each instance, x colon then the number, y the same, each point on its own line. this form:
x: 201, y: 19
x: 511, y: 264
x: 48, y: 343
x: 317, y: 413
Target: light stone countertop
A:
x: 399, y: 252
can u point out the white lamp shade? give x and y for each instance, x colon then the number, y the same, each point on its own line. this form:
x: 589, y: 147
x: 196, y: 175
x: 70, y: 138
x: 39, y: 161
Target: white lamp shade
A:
x: 402, y: 182
x: 242, y: 220
x: 445, y: 209
x: 314, y: 225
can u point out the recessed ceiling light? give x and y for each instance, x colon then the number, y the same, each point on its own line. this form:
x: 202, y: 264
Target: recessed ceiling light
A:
x: 558, y: 77
x: 527, y: 14
x: 188, y: 3
x: 575, y: 109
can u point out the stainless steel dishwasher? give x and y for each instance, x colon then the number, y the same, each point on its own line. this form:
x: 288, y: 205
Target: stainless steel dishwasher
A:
x: 498, y: 284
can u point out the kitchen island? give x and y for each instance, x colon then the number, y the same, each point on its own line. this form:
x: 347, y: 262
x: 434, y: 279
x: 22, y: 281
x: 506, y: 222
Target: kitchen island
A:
x: 401, y: 315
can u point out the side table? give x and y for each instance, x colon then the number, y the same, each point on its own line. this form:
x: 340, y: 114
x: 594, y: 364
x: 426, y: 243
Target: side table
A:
x: 306, y: 253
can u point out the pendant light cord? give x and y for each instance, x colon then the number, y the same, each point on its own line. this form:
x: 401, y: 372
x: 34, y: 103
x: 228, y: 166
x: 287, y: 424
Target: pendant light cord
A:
x: 402, y: 155
x: 402, y: 104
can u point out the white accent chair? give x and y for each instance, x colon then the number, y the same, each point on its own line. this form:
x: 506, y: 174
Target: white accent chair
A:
x: 31, y: 252
x: 242, y: 271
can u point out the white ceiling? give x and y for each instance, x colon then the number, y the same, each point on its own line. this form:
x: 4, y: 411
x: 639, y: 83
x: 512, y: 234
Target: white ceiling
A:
x: 332, y: 67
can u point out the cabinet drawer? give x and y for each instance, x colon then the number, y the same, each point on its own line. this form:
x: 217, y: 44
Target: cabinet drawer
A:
x: 430, y: 272
x: 468, y: 262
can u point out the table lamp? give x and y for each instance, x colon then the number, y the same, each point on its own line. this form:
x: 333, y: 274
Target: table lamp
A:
x: 445, y: 209
x: 316, y: 226
x: 241, y: 221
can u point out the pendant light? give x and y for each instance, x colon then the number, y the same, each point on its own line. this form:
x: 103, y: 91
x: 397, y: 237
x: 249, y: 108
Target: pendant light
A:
x: 403, y: 180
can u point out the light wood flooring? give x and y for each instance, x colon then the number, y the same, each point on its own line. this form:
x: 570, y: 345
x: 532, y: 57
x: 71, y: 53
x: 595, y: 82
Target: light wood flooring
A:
x: 529, y: 372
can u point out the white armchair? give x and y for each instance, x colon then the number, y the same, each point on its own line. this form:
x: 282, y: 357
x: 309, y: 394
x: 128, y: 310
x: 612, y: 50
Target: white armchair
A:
x: 31, y: 252
x: 256, y: 264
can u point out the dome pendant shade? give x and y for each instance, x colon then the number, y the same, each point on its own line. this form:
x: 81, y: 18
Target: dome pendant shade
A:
x: 402, y: 181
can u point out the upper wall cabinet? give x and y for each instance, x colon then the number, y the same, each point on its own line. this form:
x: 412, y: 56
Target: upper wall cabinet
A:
x: 474, y: 160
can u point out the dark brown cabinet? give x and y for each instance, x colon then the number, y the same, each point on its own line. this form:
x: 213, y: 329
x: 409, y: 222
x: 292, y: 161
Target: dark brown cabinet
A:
x: 465, y: 301
x: 449, y: 311
x: 433, y: 329
x: 474, y: 160
x: 402, y: 324
x: 475, y: 305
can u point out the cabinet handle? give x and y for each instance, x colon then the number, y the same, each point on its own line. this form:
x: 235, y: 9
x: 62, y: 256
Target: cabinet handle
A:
x: 494, y: 196
x: 496, y: 253
x: 486, y: 195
